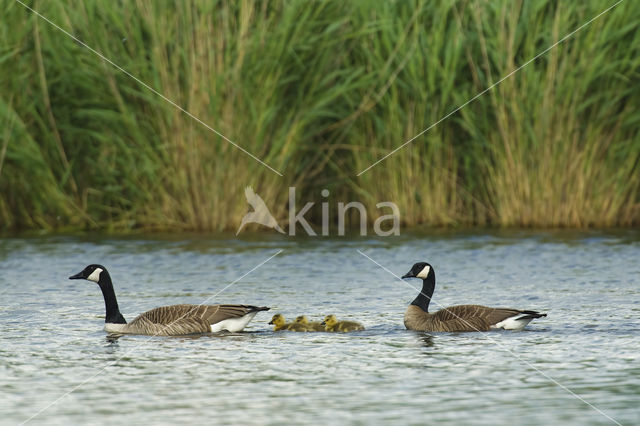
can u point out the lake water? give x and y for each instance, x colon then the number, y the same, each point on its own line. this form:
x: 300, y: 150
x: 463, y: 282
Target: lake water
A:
x: 577, y: 366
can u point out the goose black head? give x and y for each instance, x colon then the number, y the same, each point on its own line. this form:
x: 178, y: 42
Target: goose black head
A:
x: 419, y: 270
x: 91, y: 273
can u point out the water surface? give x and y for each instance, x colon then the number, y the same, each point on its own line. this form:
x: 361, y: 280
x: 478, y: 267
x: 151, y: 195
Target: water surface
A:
x: 570, y: 368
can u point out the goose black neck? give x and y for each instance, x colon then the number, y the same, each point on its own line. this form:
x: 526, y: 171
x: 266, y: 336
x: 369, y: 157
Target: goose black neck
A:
x: 423, y: 299
x: 113, y: 315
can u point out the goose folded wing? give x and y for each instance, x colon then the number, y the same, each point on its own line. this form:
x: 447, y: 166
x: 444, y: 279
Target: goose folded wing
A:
x: 188, y: 319
x: 210, y: 313
x: 471, y: 317
x: 184, y: 326
x: 168, y: 325
x: 474, y: 317
x: 500, y: 314
x: 216, y: 313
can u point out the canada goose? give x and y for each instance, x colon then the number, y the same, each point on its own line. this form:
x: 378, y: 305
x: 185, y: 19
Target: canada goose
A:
x: 461, y: 317
x: 281, y: 324
x: 312, y: 326
x: 260, y: 213
x: 171, y: 320
x: 331, y: 323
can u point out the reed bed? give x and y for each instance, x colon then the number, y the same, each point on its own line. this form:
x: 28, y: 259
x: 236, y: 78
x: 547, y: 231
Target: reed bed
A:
x: 319, y: 91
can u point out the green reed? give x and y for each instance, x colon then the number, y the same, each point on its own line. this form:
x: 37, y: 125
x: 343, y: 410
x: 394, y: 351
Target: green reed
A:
x: 318, y: 91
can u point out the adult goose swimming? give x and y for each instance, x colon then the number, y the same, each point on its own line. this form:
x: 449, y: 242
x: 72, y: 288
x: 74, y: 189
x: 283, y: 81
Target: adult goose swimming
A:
x: 461, y: 317
x: 174, y: 320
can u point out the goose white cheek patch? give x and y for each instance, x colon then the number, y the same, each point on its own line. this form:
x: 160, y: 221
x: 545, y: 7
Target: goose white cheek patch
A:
x: 423, y: 274
x: 95, y: 275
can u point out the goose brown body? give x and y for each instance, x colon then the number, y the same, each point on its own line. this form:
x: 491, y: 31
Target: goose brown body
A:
x: 175, y: 320
x: 461, y: 317
x: 171, y: 320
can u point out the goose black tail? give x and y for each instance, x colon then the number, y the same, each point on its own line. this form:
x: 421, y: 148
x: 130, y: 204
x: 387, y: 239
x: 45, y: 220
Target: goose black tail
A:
x: 533, y: 314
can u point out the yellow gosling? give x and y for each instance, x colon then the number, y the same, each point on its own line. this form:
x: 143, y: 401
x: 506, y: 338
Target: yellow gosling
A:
x: 311, y: 326
x: 331, y: 323
x: 281, y: 324
x: 278, y: 322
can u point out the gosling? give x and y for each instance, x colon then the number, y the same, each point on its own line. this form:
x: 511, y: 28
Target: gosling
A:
x: 331, y: 323
x: 311, y: 326
x: 280, y: 323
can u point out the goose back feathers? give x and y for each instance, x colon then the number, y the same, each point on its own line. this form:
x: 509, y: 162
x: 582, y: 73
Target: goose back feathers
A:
x: 461, y: 317
x: 178, y: 320
x: 171, y: 320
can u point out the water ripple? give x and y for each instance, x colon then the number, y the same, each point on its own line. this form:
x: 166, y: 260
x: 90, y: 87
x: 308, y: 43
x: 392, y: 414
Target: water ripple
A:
x: 52, y: 339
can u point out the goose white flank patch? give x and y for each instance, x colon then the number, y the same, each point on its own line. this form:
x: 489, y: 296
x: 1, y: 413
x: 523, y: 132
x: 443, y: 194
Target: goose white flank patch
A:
x: 233, y: 324
x: 174, y: 320
x: 516, y: 322
x: 461, y: 317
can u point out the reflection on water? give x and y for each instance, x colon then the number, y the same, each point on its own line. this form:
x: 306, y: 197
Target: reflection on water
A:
x: 113, y: 338
x: 51, y: 337
x: 427, y: 340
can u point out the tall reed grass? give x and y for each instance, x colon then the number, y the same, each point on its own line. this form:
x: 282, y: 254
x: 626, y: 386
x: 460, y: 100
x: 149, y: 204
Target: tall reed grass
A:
x: 319, y: 91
